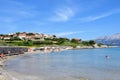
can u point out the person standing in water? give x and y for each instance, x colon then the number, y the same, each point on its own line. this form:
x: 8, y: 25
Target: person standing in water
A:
x: 107, y: 57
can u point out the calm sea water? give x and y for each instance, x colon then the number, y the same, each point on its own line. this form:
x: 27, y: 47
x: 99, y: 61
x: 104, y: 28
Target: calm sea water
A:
x: 85, y: 64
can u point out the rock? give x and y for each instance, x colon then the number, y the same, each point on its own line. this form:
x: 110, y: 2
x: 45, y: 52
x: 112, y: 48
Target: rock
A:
x: 2, y: 77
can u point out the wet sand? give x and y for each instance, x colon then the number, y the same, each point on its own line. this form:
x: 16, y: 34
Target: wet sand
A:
x: 4, y: 75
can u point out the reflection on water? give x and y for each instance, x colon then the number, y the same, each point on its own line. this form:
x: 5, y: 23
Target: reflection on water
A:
x: 87, y: 64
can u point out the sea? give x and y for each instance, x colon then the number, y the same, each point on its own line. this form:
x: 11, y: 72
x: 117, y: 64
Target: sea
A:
x: 83, y: 64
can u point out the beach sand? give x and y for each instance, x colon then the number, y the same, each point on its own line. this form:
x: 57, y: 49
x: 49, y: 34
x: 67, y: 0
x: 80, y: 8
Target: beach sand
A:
x: 4, y: 75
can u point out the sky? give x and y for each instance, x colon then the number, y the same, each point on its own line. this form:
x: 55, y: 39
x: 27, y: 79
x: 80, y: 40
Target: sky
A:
x: 85, y: 19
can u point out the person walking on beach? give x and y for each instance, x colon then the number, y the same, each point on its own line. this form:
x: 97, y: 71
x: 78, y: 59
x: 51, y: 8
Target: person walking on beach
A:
x: 2, y: 58
x: 1, y: 55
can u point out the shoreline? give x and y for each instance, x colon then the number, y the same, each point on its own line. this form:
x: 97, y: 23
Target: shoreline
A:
x: 4, y: 75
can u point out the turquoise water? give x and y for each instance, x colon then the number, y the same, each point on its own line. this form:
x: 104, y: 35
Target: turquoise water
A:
x: 85, y: 64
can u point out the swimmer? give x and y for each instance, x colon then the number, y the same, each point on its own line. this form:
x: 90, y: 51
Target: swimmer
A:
x: 107, y: 57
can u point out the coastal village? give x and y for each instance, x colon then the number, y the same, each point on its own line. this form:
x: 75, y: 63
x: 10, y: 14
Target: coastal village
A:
x: 25, y: 35
x: 14, y: 50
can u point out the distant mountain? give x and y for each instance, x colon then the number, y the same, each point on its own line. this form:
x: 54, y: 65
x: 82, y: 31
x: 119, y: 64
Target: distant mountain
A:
x: 113, y: 40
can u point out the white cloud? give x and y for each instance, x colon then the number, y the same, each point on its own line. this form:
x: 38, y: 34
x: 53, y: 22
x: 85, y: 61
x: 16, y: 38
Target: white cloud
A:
x: 63, y: 14
x: 64, y: 34
x: 94, y: 18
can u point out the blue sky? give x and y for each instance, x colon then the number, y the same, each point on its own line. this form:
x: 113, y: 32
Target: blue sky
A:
x: 86, y: 19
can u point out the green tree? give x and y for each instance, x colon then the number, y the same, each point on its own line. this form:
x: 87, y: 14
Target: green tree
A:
x: 61, y: 40
x: 92, y: 42
x: 86, y: 43
x: 99, y: 44
x: 1, y: 34
x: 16, y: 39
x: 30, y: 34
x: 28, y: 43
x: 17, y: 33
x: 54, y: 36
x: 75, y: 40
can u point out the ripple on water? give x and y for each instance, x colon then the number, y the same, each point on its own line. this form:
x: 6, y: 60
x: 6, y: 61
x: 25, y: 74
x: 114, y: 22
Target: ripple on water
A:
x: 89, y: 64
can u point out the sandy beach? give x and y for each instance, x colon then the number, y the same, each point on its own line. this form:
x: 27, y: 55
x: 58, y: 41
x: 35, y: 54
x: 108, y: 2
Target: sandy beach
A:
x: 4, y: 75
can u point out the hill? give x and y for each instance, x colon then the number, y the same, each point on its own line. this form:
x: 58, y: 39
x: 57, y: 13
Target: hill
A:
x: 112, y: 40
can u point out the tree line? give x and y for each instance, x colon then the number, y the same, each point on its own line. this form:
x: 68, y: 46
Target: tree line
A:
x: 47, y: 41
